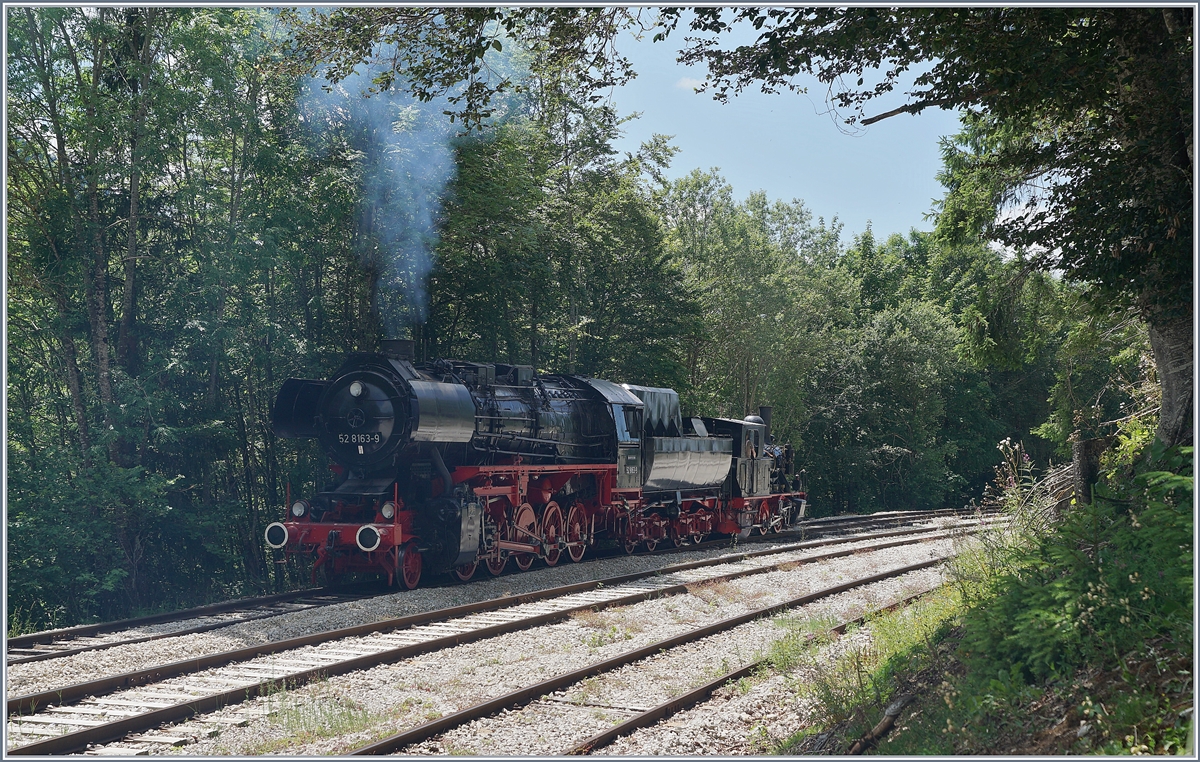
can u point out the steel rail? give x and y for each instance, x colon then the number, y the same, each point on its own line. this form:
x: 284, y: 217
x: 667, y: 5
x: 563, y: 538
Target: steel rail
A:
x: 74, y: 741
x: 252, y: 617
x: 83, y: 630
x: 30, y: 703
x: 687, y: 700
x: 65, y: 635
x: 50, y: 637
x: 523, y: 696
x: 881, y: 518
x: 23, y: 642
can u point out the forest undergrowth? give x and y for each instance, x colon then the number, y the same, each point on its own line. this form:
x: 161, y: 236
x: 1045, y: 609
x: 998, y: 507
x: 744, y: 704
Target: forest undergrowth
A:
x: 1069, y: 632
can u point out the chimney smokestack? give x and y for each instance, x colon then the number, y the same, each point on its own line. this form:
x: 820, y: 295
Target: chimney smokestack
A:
x: 764, y: 412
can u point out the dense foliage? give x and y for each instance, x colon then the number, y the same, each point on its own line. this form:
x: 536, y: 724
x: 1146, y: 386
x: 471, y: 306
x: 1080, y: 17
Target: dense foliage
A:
x: 1079, y: 141
x: 1111, y: 577
x: 1075, y: 634
x: 191, y: 222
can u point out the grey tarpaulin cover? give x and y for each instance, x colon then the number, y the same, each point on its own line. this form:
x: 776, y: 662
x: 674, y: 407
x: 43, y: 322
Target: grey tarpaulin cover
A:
x: 661, y: 409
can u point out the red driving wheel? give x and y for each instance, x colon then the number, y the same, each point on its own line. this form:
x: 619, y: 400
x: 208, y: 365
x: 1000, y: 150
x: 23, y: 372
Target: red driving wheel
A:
x: 497, y: 559
x: 552, y: 530
x: 464, y: 572
x: 410, y: 566
x: 524, y: 530
x: 496, y: 562
x: 576, y: 528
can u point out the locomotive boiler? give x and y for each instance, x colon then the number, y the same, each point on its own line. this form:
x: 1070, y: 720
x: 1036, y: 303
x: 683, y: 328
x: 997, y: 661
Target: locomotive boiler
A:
x: 451, y: 465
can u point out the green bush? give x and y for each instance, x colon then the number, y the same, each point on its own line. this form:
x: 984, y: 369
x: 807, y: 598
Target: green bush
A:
x: 1109, y: 577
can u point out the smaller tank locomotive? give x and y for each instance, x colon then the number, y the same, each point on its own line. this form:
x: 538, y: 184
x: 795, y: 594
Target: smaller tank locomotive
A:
x: 449, y: 466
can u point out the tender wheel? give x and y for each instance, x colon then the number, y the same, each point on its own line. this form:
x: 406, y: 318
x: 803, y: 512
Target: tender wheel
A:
x: 576, y: 529
x: 524, y: 530
x: 410, y: 566
x: 465, y: 572
x: 676, y: 539
x: 629, y: 546
x: 764, y: 520
x: 552, y: 530
x: 651, y: 544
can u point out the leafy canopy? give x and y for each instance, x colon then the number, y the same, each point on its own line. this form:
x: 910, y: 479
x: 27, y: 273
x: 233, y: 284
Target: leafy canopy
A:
x: 451, y: 52
x: 1080, y: 120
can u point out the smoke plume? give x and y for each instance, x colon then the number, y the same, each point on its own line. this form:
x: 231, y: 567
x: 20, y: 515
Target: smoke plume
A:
x: 395, y: 151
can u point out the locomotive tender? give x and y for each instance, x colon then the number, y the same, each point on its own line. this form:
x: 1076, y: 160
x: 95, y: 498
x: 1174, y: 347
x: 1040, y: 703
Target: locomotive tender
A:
x: 450, y: 465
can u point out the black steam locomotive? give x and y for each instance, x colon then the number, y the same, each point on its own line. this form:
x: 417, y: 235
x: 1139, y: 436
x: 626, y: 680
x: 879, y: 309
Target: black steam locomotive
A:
x: 449, y: 465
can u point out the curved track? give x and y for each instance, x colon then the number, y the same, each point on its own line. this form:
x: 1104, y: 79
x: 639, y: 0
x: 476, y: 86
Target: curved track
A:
x: 70, y: 718
x: 53, y: 644
x: 544, y: 688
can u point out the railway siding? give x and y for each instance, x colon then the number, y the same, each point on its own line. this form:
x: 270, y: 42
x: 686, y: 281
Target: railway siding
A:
x: 632, y: 682
x: 176, y: 699
x: 410, y: 692
x: 26, y: 679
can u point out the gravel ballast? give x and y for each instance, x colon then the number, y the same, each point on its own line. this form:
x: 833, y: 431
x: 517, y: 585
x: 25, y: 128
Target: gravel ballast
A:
x: 33, y: 677
x: 381, y: 701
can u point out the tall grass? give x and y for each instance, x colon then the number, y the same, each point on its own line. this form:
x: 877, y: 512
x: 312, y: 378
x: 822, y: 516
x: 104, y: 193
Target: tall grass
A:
x: 1086, y: 611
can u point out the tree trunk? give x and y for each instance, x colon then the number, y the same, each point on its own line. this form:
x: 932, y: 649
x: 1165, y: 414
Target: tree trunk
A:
x: 96, y: 276
x: 1173, y: 352
x: 125, y: 354
x: 75, y: 385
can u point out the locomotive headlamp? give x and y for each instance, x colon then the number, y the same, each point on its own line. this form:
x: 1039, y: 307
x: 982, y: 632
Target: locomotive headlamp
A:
x: 388, y: 510
x: 299, y: 508
x: 356, y: 389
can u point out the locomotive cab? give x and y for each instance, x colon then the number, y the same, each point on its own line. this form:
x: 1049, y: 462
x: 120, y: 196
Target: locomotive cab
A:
x: 750, y: 474
x: 627, y: 412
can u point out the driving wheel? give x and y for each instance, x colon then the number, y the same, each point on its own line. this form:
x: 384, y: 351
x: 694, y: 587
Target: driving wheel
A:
x: 464, y: 572
x: 524, y: 530
x: 552, y: 530
x: 576, y: 529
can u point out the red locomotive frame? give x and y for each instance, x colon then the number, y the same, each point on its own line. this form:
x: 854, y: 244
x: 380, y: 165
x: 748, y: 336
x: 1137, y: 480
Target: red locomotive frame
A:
x: 522, y: 522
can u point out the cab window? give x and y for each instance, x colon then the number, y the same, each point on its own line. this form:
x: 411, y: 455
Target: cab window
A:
x: 629, y: 423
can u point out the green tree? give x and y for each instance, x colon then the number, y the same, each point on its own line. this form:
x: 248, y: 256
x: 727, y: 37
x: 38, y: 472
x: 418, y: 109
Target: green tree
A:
x: 148, y: 290
x: 1081, y: 141
x: 451, y: 53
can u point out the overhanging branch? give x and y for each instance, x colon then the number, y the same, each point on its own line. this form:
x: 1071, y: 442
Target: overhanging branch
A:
x: 913, y: 108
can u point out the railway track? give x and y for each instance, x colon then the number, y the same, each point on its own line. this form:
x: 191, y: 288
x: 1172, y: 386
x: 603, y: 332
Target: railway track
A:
x: 53, y: 644
x: 561, y: 683
x: 676, y: 704
x: 71, y: 718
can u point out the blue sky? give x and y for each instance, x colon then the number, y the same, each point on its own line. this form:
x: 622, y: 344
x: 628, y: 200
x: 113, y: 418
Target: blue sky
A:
x: 787, y: 146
